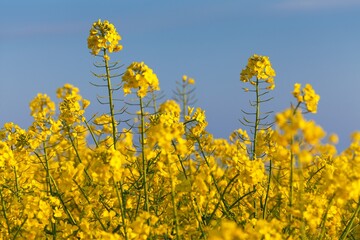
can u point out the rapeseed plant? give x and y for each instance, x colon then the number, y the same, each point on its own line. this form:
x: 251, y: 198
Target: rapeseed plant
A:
x: 164, y: 176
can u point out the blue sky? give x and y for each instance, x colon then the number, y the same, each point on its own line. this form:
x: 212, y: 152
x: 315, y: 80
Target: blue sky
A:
x: 43, y: 46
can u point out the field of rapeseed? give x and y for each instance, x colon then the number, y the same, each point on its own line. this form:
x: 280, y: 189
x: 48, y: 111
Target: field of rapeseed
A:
x: 160, y: 175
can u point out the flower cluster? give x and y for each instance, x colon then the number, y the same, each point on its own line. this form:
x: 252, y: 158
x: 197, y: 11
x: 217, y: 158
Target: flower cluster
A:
x: 42, y: 107
x: 306, y: 95
x: 103, y: 35
x: 260, y: 68
x: 73, y: 105
x: 140, y: 77
x: 188, y: 80
x: 166, y: 126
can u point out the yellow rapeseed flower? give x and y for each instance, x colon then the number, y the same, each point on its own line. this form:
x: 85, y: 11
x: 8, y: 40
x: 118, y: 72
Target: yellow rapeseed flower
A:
x: 42, y: 107
x: 260, y: 68
x: 311, y: 98
x: 139, y: 76
x: 103, y: 35
x: 306, y: 95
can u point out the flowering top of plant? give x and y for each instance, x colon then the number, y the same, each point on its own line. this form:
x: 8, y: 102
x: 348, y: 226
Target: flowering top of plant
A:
x: 259, y: 67
x: 42, y: 107
x: 188, y: 80
x: 166, y: 126
x: 103, y: 35
x: 71, y: 109
x: 306, y: 95
x: 139, y: 76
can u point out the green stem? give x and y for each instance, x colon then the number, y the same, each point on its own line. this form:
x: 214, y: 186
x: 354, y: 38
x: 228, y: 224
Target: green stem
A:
x: 323, y: 220
x: 174, y: 203
x: 4, y: 212
x: 301, y: 201
x: 197, y: 213
x: 111, y: 104
x: 296, y: 108
x: 53, y: 226
x: 144, y: 163
x: 114, y: 132
x: 179, y: 158
x: 77, y: 153
x: 48, y: 181
x: 122, y: 206
x: 267, y: 191
x: 19, y: 228
x: 88, y: 201
x: 257, y: 118
x: 92, y: 133
x: 184, y: 100
x: 222, y: 196
x: 256, y: 127
x: 58, y: 194
x: 291, y: 189
x: 16, y: 182
x: 350, y: 223
x: 226, y: 207
x: 153, y: 98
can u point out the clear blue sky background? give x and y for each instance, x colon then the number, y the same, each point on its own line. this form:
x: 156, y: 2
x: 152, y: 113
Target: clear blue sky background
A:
x: 43, y: 45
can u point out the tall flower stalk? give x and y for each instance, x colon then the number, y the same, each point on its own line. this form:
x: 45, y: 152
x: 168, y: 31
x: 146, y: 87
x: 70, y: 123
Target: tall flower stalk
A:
x: 140, y: 77
x: 257, y: 72
x: 185, y: 95
x: 104, y: 38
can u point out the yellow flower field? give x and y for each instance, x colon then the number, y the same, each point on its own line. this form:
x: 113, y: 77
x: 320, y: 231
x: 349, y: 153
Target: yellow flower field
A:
x: 148, y: 168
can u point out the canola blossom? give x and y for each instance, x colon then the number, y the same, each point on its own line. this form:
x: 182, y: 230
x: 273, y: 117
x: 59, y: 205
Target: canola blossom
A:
x: 140, y: 77
x: 306, y: 95
x: 160, y: 174
x: 258, y: 67
x: 103, y: 35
